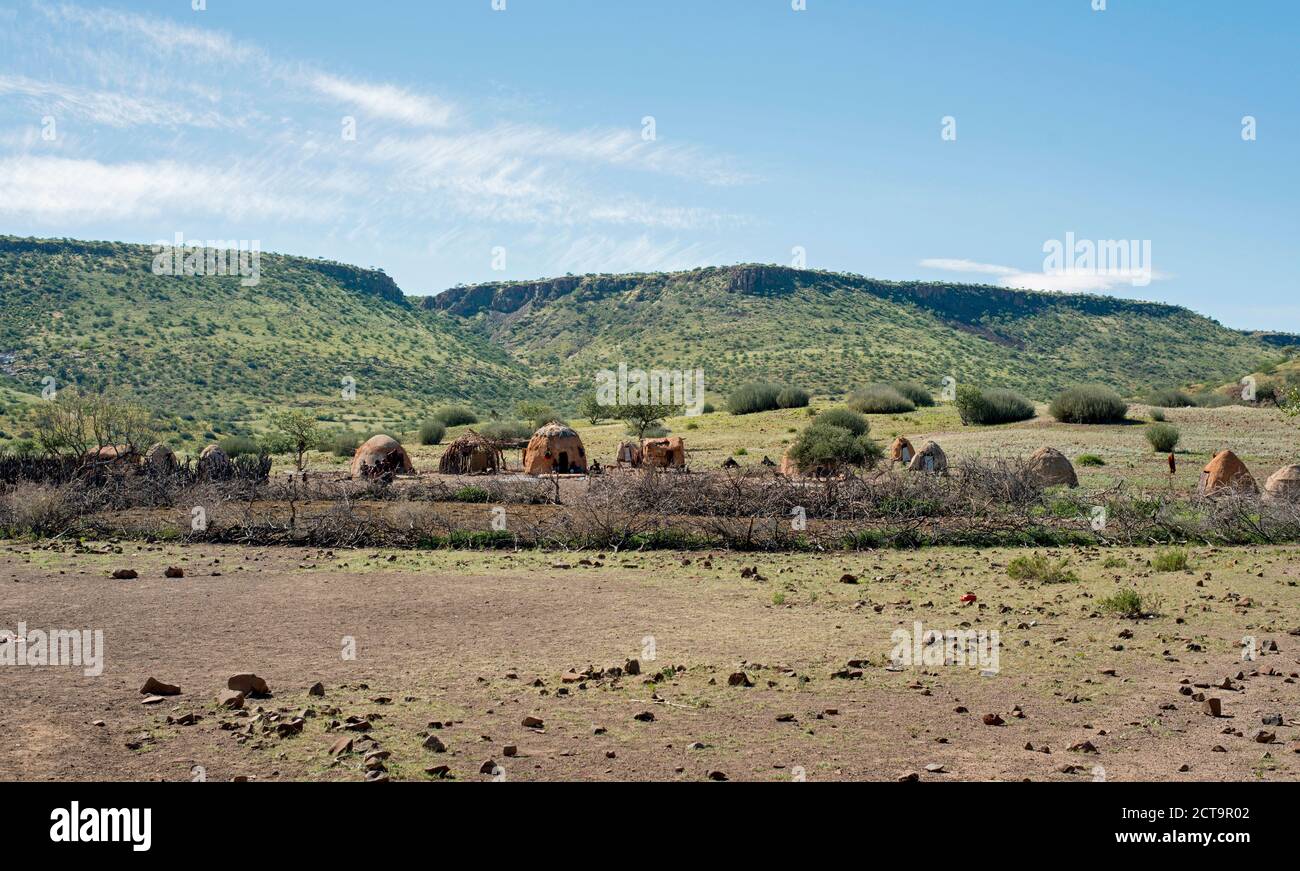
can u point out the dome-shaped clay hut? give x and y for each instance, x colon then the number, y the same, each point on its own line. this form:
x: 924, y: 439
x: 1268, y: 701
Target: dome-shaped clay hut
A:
x: 555, y: 448
x: 1284, y: 485
x: 1050, y: 468
x: 1226, y: 474
x: 664, y: 453
x: 214, y: 464
x: 381, y: 456
x: 628, y: 454
x: 930, y: 458
x: 901, y: 451
x: 159, y: 460
x: 471, y: 454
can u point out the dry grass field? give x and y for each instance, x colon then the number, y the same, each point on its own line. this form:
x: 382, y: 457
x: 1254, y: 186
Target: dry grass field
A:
x: 462, y: 647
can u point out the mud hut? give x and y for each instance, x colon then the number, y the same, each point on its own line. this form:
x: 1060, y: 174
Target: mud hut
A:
x: 1050, y: 468
x: 1283, y: 485
x: 664, y: 453
x: 555, y: 448
x: 471, y: 454
x: 159, y: 460
x: 628, y: 453
x: 1226, y: 474
x: 381, y: 456
x: 930, y: 458
x: 214, y: 464
x: 901, y: 451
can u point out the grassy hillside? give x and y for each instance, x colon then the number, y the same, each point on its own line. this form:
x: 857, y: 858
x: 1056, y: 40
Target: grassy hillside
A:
x: 211, y: 352
x: 829, y: 331
x: 216, y: 357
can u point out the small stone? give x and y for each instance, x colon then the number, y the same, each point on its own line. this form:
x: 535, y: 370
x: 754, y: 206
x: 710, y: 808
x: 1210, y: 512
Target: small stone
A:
x: 341, y: 746
x: 316, y: 689
x: 155, y: 687
x: 645, y: 717
x: 717, y: 775
x: 740, y: 679
x: 248, y: 684
x: 230, y: 699
x: 434, y: 743
x: 993, y: 720
x: 510, y: 750
x: 1272, y: 720
x: 174, y: 572
x: 533, y: 723
x: 632, y: 667
x: 1212, y: 707
x: 125, y: 575
x: 909, y: 777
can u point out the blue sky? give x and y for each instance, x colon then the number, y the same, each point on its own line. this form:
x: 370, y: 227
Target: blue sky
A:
x: 516, y: 138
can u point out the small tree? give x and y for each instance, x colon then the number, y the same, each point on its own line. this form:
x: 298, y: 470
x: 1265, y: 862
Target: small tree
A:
x: 590, y: 408
x: 642, y: 416
x: 300, y: 429
x: 537, y: 413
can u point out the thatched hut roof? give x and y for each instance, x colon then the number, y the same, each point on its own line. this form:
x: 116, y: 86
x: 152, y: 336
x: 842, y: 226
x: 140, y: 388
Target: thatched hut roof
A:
x: 471, y: 453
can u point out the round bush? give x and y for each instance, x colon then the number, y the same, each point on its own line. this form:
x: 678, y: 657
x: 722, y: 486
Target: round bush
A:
x: 832, y: 446
x: 344, y: 444
x: 989, y: 407
x: 1090, y: 403
x: 1163, y: 437
x: 845, y: 419
x: 506, y: 429
x: 752, y: 398
x: 792, y: 397
x: 880, y: 399
x: 1170, y: 397
x: 455, y: 415
x: 235, y: 446
x: 920, y: 396
x: 432, y: 431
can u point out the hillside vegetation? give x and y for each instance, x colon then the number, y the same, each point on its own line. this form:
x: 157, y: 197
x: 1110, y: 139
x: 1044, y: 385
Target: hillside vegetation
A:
x: 829, y: 332
x: 215, y: 357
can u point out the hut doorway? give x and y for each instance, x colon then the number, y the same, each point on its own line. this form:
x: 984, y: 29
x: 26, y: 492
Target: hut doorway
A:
x: 564, y: 462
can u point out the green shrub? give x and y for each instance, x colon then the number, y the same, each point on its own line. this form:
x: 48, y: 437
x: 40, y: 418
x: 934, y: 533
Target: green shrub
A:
x: 1170, y: 397
x: 1158, y: 415
x: 432, y: 431
x: 1163, y: 437
x: 506, y: 429
x: 1037, y: 567
x: 752, y: 398
x: 740, y: 452
x: 345, y: 443
x: 1129, y: 604
x: 1089, y: 460
x: 793, y: 397
x: 454, y: 415
x: 476, y: 495
x: 920, y: 396
x: 880, y: 399
x: 708, y: 408
x: 1115, y: 562
x: 828, y: 446
x: 1172, y: 560
x: 843, y: 417
x: 235, y: 446
x: 988, y: 407
x: 1089, y: 403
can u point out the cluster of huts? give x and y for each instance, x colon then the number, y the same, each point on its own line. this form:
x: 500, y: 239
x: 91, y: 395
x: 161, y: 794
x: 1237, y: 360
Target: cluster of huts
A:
x: 557, y: 449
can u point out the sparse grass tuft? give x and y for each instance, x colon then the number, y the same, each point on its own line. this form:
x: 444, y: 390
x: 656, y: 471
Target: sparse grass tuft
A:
x: 1037, y: 567
x: 1172, y: 560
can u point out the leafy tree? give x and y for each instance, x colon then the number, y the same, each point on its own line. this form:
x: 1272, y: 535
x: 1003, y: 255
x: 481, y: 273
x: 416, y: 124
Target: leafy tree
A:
x: 591, y: 409
x: 643, y: 416
x: 300, y: 429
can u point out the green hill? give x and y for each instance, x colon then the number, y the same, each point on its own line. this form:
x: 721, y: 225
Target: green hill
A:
x: 215, y: 355
x: 829, y: 332
x: 209, y: 351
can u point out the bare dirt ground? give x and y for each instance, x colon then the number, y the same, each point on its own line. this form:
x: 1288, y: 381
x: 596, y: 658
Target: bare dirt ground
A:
x: 476, y: 642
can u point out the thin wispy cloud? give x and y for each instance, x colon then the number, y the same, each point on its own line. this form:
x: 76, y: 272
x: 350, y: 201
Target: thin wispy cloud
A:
x: 1068, y: 280
x: 262, y: 138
